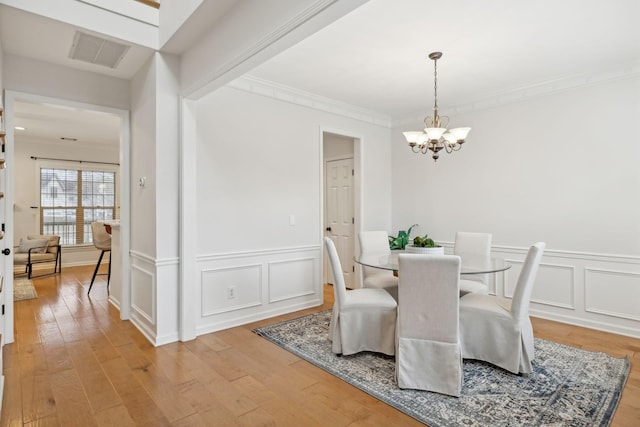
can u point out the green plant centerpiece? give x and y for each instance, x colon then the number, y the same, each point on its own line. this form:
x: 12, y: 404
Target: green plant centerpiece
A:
x: 424, y: 242
x: 425, y: 245
x: 401, y: 241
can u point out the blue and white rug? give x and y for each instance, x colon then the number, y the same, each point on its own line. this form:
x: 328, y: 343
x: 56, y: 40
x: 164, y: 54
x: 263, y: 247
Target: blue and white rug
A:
x: 569, y: 386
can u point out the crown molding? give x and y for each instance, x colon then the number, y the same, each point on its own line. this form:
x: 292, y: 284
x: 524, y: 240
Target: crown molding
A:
x: 199, y: 89
x: 535, y: 90
x: 274, y: 90
x: 305, y: 99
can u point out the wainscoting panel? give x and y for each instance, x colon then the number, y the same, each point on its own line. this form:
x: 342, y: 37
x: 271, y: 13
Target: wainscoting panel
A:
x: 601, y: 284
x: 238, y: 288
x: 598, y: 291
x: 228, y: 289
x: 143, y: 293
x: 289, y: 279
x: 554, y: 284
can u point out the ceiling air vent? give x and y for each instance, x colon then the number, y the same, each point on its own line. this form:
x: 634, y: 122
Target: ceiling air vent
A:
x: 96, y: 50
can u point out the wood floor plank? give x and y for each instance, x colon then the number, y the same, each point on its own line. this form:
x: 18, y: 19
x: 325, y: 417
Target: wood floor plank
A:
x: 97, y: 386
x: 135, y: 398
x: 75, y: 362
x: 117, y: 416
x: 73, y: 407
x: 159, y: 388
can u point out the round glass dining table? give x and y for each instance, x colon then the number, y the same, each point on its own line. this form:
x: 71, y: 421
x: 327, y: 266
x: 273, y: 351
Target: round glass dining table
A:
x: 469, y: 266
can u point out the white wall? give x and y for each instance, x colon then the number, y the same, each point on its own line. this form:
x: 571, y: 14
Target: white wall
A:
x: 25, y: 219
x: 337, y: 146
x: 259, y: 160
x: 1, y: 72
x: 143, y: 155
x: 173, y: 15
x: 552, y: 168
x: 47, y: 79
x: 154, y: 206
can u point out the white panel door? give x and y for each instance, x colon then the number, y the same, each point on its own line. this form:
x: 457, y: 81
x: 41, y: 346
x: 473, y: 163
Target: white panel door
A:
x: 339, y: 220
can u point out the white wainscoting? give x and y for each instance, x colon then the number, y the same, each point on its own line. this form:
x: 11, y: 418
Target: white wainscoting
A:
x: 597, y: 291
x: 238, y: 288
x: 147, y: 275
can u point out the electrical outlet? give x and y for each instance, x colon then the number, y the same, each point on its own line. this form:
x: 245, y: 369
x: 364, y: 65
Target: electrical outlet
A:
x: 231, y: 292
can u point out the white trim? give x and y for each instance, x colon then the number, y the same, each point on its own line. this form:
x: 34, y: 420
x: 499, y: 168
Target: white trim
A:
x: 284, y: 93
x: 125, y: 150
x: 199, y: 89
x: 187, y: 321
x: 551, y: 87
x: 256, y: 253
x: 149, y: 317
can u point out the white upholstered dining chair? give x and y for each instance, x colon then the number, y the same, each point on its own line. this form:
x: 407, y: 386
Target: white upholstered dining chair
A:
x: 498, y: 330
x: 475, y: 251
x: 428, y: 352
x: 377, y: 243
x: 363, y: 319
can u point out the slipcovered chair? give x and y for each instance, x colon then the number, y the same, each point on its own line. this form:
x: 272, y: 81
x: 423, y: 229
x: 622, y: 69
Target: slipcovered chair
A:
x: 428, y: 352
x: 363, y: 319
x: 498, y: 330
x: 374, y: 243
x: 475, y: 251
x: 38, y: 249
x: 102, y: 241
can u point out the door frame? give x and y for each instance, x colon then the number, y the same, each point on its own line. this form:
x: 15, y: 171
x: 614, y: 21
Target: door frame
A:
x: 10, y: 97
x: 357, y: 196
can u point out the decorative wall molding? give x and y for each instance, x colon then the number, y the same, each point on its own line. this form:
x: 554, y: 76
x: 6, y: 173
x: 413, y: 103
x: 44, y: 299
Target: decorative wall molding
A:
x: 284, y: 93
x: 162, y: 262
x: 240, y: 287
x: 612, y: 279
x: 285, y: 268
x: 136, y: 302
x: 597, y: 291
x: 535, y: 90
x: 280, y: 92
x: 215, y: 283
x: 247, y: 254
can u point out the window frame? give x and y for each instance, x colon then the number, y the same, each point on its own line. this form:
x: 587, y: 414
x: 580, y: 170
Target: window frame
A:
x: 78, y: 166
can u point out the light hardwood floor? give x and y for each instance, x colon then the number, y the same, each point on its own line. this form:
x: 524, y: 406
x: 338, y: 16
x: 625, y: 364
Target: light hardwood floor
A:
x: 74, y: 363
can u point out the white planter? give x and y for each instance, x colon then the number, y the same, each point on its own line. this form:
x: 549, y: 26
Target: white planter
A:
x: 431, y: 251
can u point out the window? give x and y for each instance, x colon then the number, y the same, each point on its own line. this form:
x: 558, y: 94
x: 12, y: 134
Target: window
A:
x: 71, y: 199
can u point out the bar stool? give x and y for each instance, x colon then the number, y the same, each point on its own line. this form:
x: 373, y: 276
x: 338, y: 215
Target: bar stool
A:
x: 102, y: 241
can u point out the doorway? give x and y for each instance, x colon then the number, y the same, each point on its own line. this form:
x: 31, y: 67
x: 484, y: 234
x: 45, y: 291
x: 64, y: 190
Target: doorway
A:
x: 341, y: 202
x: 27, y: 210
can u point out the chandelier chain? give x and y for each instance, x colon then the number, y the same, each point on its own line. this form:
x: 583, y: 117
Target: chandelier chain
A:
x: 435, y: 84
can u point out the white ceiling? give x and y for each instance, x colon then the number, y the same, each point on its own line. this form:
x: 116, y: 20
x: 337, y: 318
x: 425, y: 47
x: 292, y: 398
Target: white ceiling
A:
x: 376, y: 56
x: 51, y: 123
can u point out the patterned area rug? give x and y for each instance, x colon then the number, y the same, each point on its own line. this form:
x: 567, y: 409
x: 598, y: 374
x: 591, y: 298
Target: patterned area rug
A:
x: 569, y: 386
x: 23, y: 289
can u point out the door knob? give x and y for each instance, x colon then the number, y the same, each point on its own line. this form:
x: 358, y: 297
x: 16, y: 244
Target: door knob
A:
x: 6, y: 251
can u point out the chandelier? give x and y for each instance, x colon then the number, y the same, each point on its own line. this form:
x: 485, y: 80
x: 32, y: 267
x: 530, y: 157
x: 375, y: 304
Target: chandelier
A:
x: 436, y: 136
